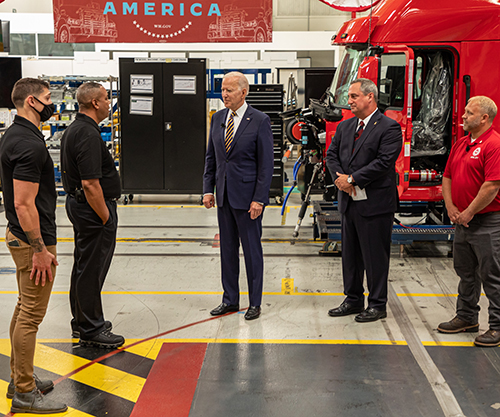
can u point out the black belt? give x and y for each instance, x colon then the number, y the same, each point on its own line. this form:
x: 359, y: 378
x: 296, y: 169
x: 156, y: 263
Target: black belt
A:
x: 489, y: 213
x: 105, y: 199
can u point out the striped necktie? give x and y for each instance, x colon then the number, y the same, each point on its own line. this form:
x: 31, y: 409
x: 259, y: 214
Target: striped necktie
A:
x: 360, y: 130
x: 228, y: 140
x: 358, y: 134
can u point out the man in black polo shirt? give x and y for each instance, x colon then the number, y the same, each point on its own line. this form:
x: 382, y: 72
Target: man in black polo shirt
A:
x: 93, y: 185
x: 29, y: 192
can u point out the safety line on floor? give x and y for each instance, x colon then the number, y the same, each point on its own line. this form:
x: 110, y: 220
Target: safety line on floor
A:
x: 215, y: 253
x: 117, y: 382
x: 188, y: 293
x: 442, y: 390
x: 114, y: 352
x: 207, y: 240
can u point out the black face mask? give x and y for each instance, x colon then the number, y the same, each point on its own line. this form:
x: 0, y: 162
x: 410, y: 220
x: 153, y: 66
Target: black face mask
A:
x: 47, y: 112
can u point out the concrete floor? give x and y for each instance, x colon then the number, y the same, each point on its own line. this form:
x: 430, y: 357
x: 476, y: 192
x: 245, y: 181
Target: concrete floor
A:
x: 295, y: 360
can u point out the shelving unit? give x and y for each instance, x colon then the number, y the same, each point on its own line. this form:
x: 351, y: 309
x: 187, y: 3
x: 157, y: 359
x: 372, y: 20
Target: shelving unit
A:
x: 68, y: 106
x: 64, y: 97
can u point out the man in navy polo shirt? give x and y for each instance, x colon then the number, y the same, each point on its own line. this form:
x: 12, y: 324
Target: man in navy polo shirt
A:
x: 470, y: 189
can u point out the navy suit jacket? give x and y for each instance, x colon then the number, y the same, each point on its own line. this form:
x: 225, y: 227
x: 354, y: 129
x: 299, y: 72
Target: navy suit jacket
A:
x: 245, y: 173
x: 372, y: 163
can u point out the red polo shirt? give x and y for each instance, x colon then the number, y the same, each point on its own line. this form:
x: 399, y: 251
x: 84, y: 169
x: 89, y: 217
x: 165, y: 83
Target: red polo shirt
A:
x: 468, y: 170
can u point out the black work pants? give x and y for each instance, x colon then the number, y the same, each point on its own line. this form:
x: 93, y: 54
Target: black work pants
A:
x: 94, y: 247
x: 366, y: 247
x: 476, y: 258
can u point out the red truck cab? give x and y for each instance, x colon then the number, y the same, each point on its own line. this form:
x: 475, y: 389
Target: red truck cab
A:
x: 427, y: 58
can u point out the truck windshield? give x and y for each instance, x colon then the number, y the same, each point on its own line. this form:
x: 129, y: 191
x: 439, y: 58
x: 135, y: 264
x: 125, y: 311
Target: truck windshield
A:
x: 345, y: 74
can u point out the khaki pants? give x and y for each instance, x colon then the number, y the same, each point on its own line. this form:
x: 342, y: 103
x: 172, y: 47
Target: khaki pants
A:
x: 28, y: 314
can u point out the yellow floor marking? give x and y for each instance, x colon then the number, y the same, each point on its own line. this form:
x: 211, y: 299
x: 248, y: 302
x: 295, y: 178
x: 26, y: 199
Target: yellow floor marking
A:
x: 287, y: 286
x: 294, y: 292
x: 449, y: 344
x: 187, y: 240
x: 4, y: 402
x: 99, y: 376
x: 283, y: 216
x: 318, y: 342
x: 149, y: 349
x: 291, y: 341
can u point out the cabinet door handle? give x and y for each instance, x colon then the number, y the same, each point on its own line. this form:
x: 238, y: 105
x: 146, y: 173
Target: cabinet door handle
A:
x: 168, y: 126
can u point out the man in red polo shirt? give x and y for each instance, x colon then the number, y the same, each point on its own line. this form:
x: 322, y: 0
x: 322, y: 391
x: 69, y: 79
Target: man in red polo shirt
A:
x: 470, y: 189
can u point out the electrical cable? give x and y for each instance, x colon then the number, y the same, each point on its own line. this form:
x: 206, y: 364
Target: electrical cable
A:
x: 296, y: 167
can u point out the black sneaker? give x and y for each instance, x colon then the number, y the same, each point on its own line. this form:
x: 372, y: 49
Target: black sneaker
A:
x: 104, y: 340
x: 75, y: 333
x: 34, y: 402
x: 43, y: 386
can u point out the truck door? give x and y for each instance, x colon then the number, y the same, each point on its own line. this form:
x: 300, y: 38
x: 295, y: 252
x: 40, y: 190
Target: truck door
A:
x: 396, y: 99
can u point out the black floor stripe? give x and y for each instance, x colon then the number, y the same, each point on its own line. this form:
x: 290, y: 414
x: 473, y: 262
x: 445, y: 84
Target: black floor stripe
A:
x: 91, y: 400
x: 123, y: 361
x: 312, y: 380
x: 472, y: 374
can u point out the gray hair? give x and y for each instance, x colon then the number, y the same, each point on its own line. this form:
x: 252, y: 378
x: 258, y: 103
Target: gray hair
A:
x: 486, y: 106
x: 242, y: 80
x: 88, y: 92
x: 367, y: 87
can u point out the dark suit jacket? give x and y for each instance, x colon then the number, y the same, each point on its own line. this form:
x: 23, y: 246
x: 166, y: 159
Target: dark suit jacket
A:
x: 372, y: 164
x: 245, y: 173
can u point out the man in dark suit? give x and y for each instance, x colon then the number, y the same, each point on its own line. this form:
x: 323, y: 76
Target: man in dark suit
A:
x: 361, y: 159
x: 239, y: 164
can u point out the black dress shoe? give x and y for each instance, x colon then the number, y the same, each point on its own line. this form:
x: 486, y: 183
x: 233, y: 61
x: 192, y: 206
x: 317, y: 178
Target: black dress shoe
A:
x: 370, y: 314
x: 252, y: 313
x: 344, y: 309
x: 224, y: 308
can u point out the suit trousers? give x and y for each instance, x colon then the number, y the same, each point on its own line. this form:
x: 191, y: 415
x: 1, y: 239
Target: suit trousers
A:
x: 28, y: 314
x: 94, y: 247
x: 476, y: 258
x: 234, y: 226
x: 366, y: 246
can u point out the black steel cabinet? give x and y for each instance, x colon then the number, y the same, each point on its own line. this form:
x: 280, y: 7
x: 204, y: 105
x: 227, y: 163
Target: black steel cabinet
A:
x: 163, y: 126
x: 268, y: 98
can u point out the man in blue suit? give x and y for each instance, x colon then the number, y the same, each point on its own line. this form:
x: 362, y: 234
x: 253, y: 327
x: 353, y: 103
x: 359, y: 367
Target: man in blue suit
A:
x: 361, y: 160
x: 239, y: 165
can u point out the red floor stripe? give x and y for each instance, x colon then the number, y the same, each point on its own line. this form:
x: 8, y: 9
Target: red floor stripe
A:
x: 171, y: 383
x: 114, y: 352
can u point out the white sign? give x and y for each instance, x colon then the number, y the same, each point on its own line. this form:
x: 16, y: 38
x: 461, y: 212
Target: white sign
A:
x: 141, y: 105
x: 184, y: 84
x: 142, y: 83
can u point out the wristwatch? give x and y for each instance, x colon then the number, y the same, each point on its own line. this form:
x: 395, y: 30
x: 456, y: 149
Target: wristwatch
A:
x: 350, y: 180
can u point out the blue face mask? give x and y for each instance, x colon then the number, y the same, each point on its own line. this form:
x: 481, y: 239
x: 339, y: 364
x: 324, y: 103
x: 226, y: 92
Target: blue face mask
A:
x: 47, y: 112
